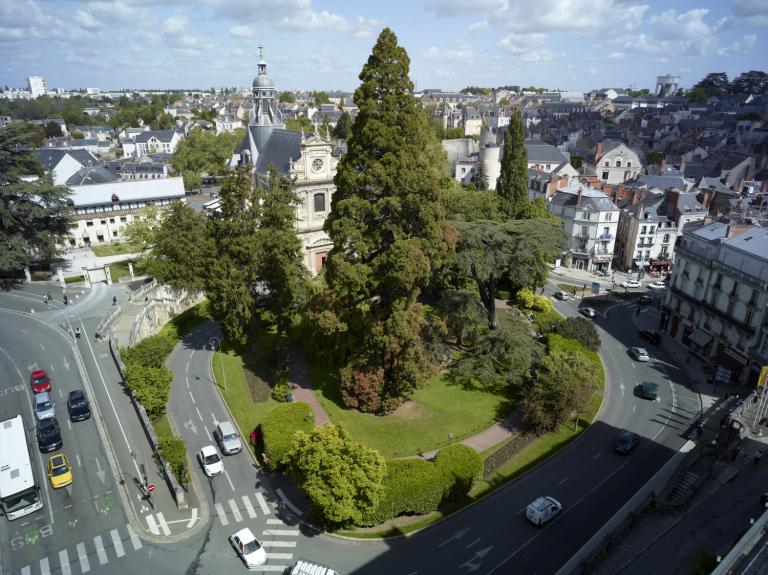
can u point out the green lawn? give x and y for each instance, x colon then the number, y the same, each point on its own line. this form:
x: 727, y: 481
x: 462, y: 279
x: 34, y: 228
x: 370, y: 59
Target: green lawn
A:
x: 120, y: 269
x: 421, y: 425
x: 102, y: 250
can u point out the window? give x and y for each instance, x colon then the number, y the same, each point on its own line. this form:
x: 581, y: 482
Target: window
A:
x: 607, y: 164
x: 89, y: 223
x: 608, y: 217
x: 111, y: 220
x: 605, y: 175
x: 618, y: 163
x: 319, y: 202
x: 652, y: 230
x: 643, y: 229
x: 123, y: 219
x: 666, y: 238
x: 114, y: 233
x: 584, y: 231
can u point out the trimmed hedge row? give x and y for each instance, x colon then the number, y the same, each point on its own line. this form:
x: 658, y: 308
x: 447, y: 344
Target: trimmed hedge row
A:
x: 417, y: 486
x: 279, y: 428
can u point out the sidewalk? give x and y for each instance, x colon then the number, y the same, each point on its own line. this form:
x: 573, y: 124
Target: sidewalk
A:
x: 78, y: 258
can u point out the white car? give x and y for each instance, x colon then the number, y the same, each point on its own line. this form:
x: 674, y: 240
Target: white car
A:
x: 542, y: 510
x: 639, y: 353
x: 630, y: 284
x: 44, y: 406
x: 210, y: 461
x: 657, y: 286
x: 248, y: 548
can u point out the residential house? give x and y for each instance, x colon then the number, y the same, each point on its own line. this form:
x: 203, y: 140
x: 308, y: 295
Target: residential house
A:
x: 63, y: 164
x: 153, y: 141
x: 615, y: 162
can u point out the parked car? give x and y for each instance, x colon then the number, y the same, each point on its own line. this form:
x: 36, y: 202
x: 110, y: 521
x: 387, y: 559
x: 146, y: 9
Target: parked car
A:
x: 40, y: 381
x: 78, y: 406
x: 48, y: 435
x: 645, y: 300
x: 626, y: 442
x: 563, y: 295
x: 630, y: 284
x: 210, y: 461
x: 588, y: 311
x: 306, y: 568
x: 43, y: 406
x: 639, y: 353
x: 650, y: 336
x: 648, y: 390
x: 543, y: 509
x: 657, y: 286
x: 59, y: 471
x: 227, y: 438
x: 248, y: 548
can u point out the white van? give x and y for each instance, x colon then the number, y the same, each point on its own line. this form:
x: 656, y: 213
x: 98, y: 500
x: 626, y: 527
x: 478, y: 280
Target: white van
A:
x: 227, y: 438
x: 542, y: 510
x: 307, y: 568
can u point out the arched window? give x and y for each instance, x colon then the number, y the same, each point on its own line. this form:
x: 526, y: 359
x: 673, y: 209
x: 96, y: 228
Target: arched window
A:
x: 319, y: 202
x: 618, y: 163
x: 629, y: 163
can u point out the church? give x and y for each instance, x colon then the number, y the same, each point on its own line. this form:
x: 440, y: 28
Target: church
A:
x: 305, y: 158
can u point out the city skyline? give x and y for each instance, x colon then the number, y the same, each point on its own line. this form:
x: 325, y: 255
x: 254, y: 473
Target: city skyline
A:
x: 322, y: 45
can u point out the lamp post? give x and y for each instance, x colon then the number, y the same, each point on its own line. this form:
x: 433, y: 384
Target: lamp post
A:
x: 450, y: 439
x: 214, y: 342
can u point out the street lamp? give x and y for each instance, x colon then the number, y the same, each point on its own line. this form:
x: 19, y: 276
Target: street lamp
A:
x: 450, y: 438
x: 214, y: 342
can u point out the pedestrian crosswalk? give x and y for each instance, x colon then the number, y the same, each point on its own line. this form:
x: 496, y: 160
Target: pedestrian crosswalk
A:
x: 80, y: 562
x: 234, y: 510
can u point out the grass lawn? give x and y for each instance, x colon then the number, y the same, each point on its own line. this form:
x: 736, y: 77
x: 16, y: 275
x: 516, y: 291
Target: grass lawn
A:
x: 120, y: 269
x: 102, y: 250
x: 418, y: 426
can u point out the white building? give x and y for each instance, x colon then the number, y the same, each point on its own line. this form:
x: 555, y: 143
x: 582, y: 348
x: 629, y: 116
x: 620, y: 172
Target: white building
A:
x: 154, y: 141
x: 36, y: 85
x: 717, y: 302
x: 63, y: 164
x: 615, y: 162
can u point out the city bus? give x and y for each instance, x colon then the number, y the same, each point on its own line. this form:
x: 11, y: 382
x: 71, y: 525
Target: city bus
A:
x: 19, y: 492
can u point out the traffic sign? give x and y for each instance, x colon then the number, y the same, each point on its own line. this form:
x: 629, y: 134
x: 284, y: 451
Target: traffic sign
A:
x: 150, y: 487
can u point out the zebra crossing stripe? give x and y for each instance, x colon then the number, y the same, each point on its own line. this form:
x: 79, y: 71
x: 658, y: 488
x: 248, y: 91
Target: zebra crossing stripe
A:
x: 275, y: 522
x: 134, y: 538
x: 276, y: 568
x: 279, y: 555
x: 64, y: 562
x: 100, y: 550
x: 45, y: 569
x: 152, y: 525
x: 26, y: 570
x: 82, y: 555
x: 221, y: 513
x: 249, y: 508
x: 235, y: 510
x: 287, y: 532
x: 278, y: 544
x: 117, y: 542
x: 263, y: 504
x: 163, y: 524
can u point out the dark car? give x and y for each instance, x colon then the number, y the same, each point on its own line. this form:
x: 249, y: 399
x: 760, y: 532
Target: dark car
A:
x: 650, y: 336
x: 626, y: 442
x: 645, y: 300
x: 648, y: 390
x: 78, y: 406
x: 48, y: 435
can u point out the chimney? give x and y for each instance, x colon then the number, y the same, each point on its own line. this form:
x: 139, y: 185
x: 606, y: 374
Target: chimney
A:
x: 578, y: 198
x: 736, y: 229
x: 673, y: 196
x: 620, y: 193
x: 598, y: 151
x: 634, y: 197
x: 663, y: 164
x: 564, y: 180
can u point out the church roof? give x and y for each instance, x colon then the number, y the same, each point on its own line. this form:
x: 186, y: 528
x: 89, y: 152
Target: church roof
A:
x: 282, y: 147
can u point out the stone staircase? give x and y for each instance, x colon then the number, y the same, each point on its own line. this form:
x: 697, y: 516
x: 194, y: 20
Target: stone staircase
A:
x: 124, y: 325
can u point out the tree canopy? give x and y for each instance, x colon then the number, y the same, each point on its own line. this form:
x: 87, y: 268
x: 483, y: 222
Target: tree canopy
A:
x: 204, y: 153
x: 512, y: 184
x: 35, y: 216
x: 343, y: 127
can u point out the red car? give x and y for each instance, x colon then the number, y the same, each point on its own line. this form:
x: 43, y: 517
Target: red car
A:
x: 40, y: 381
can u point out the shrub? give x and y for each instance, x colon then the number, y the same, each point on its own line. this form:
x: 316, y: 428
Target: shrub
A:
x: 281, y: 390
x: 503, y: 294
x: 528, y: 300
x: 460, y: 466
x: 581, y: 330
x: 150, y: 352
x: 174, y: 453
x: 150, y: 385
x: 279, y: 427
x: 74, y: 280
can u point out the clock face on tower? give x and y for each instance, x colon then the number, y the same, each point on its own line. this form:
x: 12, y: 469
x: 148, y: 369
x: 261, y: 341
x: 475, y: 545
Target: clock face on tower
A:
x: 317, y: 165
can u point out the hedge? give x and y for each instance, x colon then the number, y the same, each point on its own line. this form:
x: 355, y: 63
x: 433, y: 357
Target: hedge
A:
x: 278, y: 428
x: 526, y: 299
x: 150, y: 385
x: 417, y: 486
x: 174, y: 452
x: 149, y: 352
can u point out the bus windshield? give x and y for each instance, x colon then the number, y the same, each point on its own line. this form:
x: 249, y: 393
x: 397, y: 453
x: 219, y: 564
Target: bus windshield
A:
x: 21, y: 500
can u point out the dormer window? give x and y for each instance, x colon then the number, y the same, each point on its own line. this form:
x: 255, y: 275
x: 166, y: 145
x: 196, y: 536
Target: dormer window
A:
x: 115, y: 199
x: 607, y: 164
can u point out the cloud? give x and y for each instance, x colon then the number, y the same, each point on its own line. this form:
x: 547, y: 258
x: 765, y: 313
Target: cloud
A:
x: 478, y: 26
x: 176, y: 24
x: 592, y: 71
x: 461, y: 53
x: 242, y: 31
x: 739, y: 47
x: 750, y: 8
x: 463, y: 7
x: 616, y: 56
x: 520, y: 43
x: 688, y: 25
x: 87, y: 21
x: 539, y: 56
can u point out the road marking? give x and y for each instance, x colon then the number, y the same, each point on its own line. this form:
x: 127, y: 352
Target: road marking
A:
x: 117, y: 542
x: 45, y: 569
x: 597, y: 455
x: 100, y: 550
x: 163, y: 524
x: 263, y: 504
x: 64, y: 562
x: 277, y: 568
x: 278, y: 544
x: 26, y: 570
x: 279, y: 555
x: 563, y: 480
x: 221, y: 513
x: 135, y: 538
x: 192, y: 397
x: 634, y: 407
x: 287, y: 532
x: 186, y: 379
x: 232, y: 485
x: 275, y: 522
x: 473, y: 543
x: 235, y: 510
x: 193, y: 519
x: 152, y: 525
x: 248, y: 507
x: 42, y: 346
x: 77, y: 456
x: 82, y: 555
x: 25, y: 332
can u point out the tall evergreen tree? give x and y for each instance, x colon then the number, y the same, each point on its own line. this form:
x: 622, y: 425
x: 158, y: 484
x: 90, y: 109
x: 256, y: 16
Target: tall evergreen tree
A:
x: 480, y: 178
x: 388, y: 229
x: 34, y: 215
x: 512, y: 185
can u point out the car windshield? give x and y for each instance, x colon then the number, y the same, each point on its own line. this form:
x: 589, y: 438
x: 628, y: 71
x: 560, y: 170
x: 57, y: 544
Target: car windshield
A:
x: 230, y: 436
x: 78, y: 404
x: 60, y: 470
x: 251, y: 547
x: 48, y: 432
x: 39, y: 380
x: 210, y: 459
x: 43, y: 406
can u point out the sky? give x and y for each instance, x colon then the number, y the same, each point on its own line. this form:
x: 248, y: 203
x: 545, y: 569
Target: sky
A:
x: 323, y: 44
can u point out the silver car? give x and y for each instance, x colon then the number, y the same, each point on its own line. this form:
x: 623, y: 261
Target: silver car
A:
x: 639, y: 353
x: 43, y: 406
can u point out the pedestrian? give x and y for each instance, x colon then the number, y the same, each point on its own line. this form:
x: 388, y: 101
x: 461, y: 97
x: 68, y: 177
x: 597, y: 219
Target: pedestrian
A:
x: 758, y: 456
x: 66, y: 301
x: 114, y: 300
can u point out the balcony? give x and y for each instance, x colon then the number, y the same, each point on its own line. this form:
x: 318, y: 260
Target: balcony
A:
x: 605, y: 237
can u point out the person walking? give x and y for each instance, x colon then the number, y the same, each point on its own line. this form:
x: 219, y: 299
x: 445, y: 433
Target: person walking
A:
x: 758, y: 456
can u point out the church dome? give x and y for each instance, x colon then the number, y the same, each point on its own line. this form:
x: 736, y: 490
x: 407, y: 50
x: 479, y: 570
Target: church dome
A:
x: 263, y: 81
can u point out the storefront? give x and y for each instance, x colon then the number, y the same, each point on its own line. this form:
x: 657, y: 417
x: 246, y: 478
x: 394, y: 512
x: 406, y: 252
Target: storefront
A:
x: 659, y: 267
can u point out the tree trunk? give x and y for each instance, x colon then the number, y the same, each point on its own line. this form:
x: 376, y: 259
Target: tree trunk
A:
x: 487, y: 291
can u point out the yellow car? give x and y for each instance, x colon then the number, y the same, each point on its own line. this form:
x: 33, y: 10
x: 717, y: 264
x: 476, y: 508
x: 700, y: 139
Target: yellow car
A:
x: 59, y: 471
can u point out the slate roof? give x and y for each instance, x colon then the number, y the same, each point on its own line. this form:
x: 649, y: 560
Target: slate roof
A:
x: 541, y: 153
x: 281, y: 147
x: 699, y: 171
x: 91, y: 175
x: 590, y: 199
x: 50, y: 157
x: 162, y: 135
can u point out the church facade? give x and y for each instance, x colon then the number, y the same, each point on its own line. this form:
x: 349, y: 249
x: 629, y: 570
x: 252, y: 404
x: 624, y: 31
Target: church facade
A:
x: 305, y: 158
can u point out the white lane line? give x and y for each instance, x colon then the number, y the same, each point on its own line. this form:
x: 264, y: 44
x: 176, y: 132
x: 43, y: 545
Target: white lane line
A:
x: 134, y: 538
x: 117, y: 542
x: 263, y: 504
x: 278, y: 544
x: 192, y: 397
x: 596, y: 456
x: 193, y: 519
x: 232, y: 485
x: 152, y: 525
x: 186, y: 379
x: 45, y: 569
x: 100, y: 550
x: 279, y: 555
x: 186, y: 370
x: 248, y: 507
x: 235, y: 510
x: 275, y: 522
x: 199, y: 415
x: 563, y: 480
x: 286, y: 532
x: 221, y: 513
x: 163, y: 525
x: 25, y: 332
x: 64, y: 562
x: 42, y: 346
x: 77, y: 457
x: 82, y: 555
x: 275, y: 568
x: 26, y: 570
